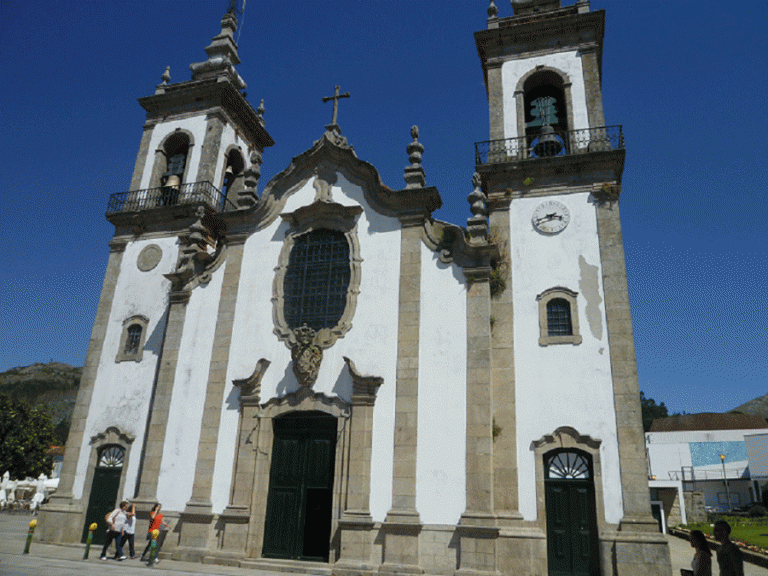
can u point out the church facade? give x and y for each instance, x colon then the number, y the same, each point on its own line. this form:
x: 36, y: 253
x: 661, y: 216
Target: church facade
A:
x: 324, y: 377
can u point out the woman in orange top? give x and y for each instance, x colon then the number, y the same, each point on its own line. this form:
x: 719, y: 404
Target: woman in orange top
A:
x: 155, y: 522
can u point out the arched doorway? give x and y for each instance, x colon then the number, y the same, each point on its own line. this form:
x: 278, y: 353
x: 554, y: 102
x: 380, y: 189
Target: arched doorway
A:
x: 104, y: 488
x: 569, y: 491
x: 299, y: 503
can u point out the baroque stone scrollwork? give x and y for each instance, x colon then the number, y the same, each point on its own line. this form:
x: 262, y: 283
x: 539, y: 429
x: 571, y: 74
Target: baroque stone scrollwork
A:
x: 202, y: 252
x: 306, y: 356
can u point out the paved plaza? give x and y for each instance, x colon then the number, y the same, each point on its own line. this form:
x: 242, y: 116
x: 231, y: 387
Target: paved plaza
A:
x: 48, y: 560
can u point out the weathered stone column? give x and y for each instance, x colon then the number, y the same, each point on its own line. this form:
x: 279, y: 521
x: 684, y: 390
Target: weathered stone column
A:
x: 141, y: 157
x: 639, y: 549
x: 61, y: 520
x: 505, y: 496
x: 495, y: 101
x: 209, y: 154
x: 237, y: 514
x: 356, y: 523
x: 402, y: 525
x: 477, y: 529
x: 198, y: 512
x: 154, y: 440
x: 592, y: 83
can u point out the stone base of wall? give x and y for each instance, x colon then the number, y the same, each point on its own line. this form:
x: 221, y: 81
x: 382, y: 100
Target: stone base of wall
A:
x: 60, y: 522
x: 635, y: 554
x: 695, y: 509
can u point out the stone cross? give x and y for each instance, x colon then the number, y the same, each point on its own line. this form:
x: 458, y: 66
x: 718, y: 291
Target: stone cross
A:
x: 336, y: 96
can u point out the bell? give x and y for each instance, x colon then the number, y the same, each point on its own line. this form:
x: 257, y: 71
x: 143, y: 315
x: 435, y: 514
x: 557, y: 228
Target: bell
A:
x: 548, y: 144
x: 173, y: 182
x: 228, y: 172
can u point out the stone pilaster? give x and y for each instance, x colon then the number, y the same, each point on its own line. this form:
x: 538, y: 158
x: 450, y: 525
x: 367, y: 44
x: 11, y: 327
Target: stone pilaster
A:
x: 198, y: 512
x: 141, y: 157
x: 495, y: 101
x: 505, y: 496
x: 592, y: 85
x: 639, y: 549
x: 237, y: 514
x: 356, y: 523
x: 61, y: 520
x: 402, y: 525
x: 154, y: 439
x: 477, y: 529
x: 210, y: 153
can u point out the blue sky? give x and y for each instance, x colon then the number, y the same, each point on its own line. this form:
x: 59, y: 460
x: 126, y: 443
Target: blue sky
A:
x: 686, y: 80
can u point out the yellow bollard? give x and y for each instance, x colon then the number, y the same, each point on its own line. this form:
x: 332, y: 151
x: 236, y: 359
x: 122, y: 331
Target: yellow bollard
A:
x: 32, y: 526
x: 91, y: 530
x: 153, y: 548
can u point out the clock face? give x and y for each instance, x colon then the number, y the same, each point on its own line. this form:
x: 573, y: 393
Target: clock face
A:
x: 551, y: 217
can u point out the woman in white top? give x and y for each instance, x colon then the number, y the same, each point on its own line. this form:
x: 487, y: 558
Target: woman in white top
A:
x: 702, y: 559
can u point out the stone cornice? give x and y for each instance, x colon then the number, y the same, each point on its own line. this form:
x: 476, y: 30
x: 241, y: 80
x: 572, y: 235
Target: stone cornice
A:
x: 554, y: 32
x: 203, y: 95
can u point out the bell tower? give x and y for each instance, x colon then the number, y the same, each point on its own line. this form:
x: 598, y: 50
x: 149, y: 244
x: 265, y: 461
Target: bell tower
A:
x: 202, y: 143
x: 563, y: 368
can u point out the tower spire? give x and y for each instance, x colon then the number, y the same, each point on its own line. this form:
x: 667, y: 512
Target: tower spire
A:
x: 222, y: 54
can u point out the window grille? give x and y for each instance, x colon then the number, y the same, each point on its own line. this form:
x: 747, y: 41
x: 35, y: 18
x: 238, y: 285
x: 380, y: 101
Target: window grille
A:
x: 559, y: 317
x: 317, y: 279
x: 568, y: 466
x: 111, y: 457
x: 133, y: 339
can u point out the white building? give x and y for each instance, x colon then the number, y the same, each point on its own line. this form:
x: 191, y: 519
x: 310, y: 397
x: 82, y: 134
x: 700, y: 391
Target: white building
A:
x: 323, y: 372
x: 708, y: 452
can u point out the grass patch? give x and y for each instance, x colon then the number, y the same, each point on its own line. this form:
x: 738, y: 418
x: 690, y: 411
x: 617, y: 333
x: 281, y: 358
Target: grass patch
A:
x: 752, y: 531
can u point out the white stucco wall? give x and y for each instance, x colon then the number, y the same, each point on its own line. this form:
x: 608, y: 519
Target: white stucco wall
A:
x: 568, y: 62
x: 371, y: 344
x: 757, y: 453
x: 564, y: 384
x: 442, y: 404
x: 122, y: 390
x: 177, y: 468
x: 196, y: 126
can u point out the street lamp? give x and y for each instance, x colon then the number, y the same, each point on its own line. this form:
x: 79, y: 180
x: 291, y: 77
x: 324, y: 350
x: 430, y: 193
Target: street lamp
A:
x: 725, y: 480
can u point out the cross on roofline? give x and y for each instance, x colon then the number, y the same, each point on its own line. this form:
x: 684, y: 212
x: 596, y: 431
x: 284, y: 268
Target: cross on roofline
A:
x: 336, y: 96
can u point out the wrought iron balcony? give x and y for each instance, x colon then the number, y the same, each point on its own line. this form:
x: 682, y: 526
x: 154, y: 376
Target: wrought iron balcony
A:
x: 552, y: 144
x: 166, y: 196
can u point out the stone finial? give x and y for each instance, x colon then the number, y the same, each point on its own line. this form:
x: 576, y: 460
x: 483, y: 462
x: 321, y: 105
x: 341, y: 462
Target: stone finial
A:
x: 222, y: 55
x: 477, y: 224
x: 414, y: 174
x: 248, y: 197
x: 166, y: 77
x: 260, y: 109
x: 493, y: 12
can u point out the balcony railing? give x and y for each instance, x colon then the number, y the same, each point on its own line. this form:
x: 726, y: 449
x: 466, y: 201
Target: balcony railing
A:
x: 190, y: 193
x: 556, y: 143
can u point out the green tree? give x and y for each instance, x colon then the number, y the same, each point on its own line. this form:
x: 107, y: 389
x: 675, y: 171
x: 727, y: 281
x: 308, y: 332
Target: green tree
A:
x: 650, y: 411
x: 25, y: 435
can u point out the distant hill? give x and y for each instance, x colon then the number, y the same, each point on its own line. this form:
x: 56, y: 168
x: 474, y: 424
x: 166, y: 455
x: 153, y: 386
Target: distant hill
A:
x: 758, y: 406
x: 53, y: 386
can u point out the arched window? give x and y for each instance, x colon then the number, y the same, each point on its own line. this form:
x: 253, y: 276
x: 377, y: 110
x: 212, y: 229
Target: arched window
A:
x: 176, y: 148
x: 558, y: 317
x: 546, y: 114
x: 317, y: 280
x: 112, y: 456
x: 132, y: 339
x: 233, y: 182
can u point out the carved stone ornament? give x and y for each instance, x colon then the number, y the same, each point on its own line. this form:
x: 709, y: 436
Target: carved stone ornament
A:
x: 200, y: 254
x: 306, y: 356
x: 250, y: 388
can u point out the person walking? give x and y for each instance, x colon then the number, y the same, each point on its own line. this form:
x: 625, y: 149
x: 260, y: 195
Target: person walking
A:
x: 129, y: 533
x: 728, y: 555
x: 155, y: 523
x: 115, y: 526
x: 701, y: 565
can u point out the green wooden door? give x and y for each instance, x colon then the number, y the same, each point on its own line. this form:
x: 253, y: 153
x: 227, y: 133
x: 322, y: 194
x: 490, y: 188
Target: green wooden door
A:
x: 571, y: 521
x: 298, y: 520
x: 104, y: 488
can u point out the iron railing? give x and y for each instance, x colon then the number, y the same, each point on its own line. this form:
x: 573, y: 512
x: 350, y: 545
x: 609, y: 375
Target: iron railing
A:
x: 556, y: 143
x: 689, y: 474
x: 190, y: 193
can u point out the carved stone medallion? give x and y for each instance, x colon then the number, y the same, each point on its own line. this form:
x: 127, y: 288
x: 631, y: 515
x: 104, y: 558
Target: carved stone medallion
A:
x: 306, y: 356
x: 149, y: 257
